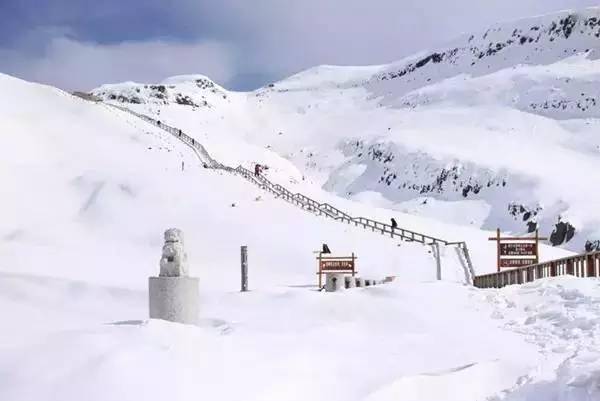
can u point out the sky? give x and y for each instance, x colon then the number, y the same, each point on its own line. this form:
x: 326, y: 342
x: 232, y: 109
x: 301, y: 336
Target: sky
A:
x: 241, y: 44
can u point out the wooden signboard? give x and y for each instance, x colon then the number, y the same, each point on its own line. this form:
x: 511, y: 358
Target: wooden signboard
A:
x: 514, y: 252
x: 518, y: 249
x: 335, y: 264
x: 514, y: 263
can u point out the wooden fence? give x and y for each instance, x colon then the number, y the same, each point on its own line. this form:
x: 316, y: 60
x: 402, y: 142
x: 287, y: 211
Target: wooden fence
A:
x: 306, y: 203
x: 584, y: 265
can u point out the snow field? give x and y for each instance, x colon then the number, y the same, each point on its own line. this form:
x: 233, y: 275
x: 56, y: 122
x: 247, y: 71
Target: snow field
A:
x: 88, y: 191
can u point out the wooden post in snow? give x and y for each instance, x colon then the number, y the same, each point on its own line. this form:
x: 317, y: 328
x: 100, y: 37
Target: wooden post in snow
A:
x: 438, y: 259
x: 244, y: 268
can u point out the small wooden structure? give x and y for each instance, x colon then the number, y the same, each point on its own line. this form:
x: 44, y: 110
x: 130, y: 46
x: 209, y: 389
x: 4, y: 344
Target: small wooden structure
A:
x: 335, y: 264
x: 515, y: 252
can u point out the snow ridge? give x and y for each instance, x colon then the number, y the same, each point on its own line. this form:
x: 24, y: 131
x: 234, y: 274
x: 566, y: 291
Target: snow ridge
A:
x: 532, y: 41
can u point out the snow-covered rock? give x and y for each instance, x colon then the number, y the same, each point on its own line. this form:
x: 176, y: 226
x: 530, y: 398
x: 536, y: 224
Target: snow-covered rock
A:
x: 194, y: 91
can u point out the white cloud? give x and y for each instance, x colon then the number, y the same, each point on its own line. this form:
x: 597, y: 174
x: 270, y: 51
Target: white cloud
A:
x: 261, y: 38
x: 70, y: 64
x: 281, y: 37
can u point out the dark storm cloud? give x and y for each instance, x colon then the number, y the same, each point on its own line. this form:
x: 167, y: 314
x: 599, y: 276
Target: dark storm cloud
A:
x: 241, y: 43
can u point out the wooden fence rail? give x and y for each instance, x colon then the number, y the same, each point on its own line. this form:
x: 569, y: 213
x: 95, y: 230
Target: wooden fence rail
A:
x: 584, y: 265
x: 298, y: 199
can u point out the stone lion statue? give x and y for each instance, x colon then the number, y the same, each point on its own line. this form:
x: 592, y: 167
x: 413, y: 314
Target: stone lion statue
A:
x: 173, y: 262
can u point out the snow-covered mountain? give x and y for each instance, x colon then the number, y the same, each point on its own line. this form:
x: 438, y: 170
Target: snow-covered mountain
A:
x: 88, y: 190
x: 496, y: 129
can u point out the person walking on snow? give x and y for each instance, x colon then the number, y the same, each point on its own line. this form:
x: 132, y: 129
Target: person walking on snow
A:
x: 394, y: 224
x: 257, y: 169
x: 182, y: 165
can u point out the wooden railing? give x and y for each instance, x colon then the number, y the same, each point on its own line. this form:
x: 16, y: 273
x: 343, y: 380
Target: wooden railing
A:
x: 306, y: 203
x: 584, y: 265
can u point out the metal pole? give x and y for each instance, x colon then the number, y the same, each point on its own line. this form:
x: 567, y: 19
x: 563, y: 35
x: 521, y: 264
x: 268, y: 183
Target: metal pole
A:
x: 244, y: 251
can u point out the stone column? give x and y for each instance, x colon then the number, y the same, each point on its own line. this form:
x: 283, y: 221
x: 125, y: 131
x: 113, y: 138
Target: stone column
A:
x: 173, y: 295
x: 334, y: 282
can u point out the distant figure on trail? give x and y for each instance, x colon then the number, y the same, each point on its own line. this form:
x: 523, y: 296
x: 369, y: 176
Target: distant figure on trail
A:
x: 182, y: 165
x: 193, y: 141
x: 257, y: 169
x: 394, y: 224
x: 325, y: 249
x: 158, y: 123
x: 179, y: 132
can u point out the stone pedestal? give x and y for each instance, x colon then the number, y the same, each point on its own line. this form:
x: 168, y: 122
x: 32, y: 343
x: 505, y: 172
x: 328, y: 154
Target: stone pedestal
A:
x: 175, y: 299
x: 334, y: 282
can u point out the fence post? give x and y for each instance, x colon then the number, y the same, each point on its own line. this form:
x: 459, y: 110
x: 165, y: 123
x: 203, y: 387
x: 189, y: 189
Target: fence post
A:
x: 438, y: 260
x: 570, y: 266
x: 244, y: 254
x: 591, y: 266
x: 465, y: 250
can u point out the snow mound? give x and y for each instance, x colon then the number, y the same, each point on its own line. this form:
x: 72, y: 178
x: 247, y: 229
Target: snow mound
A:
x: 180, y: 79
x: 270, y: 342
x: 562, y: 317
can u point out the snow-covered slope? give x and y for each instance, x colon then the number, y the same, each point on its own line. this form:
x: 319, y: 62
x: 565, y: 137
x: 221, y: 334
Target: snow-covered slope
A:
x: 496, y: 129
x: 88, y: 190
x: 530, y: 41
x: 77, y: 172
